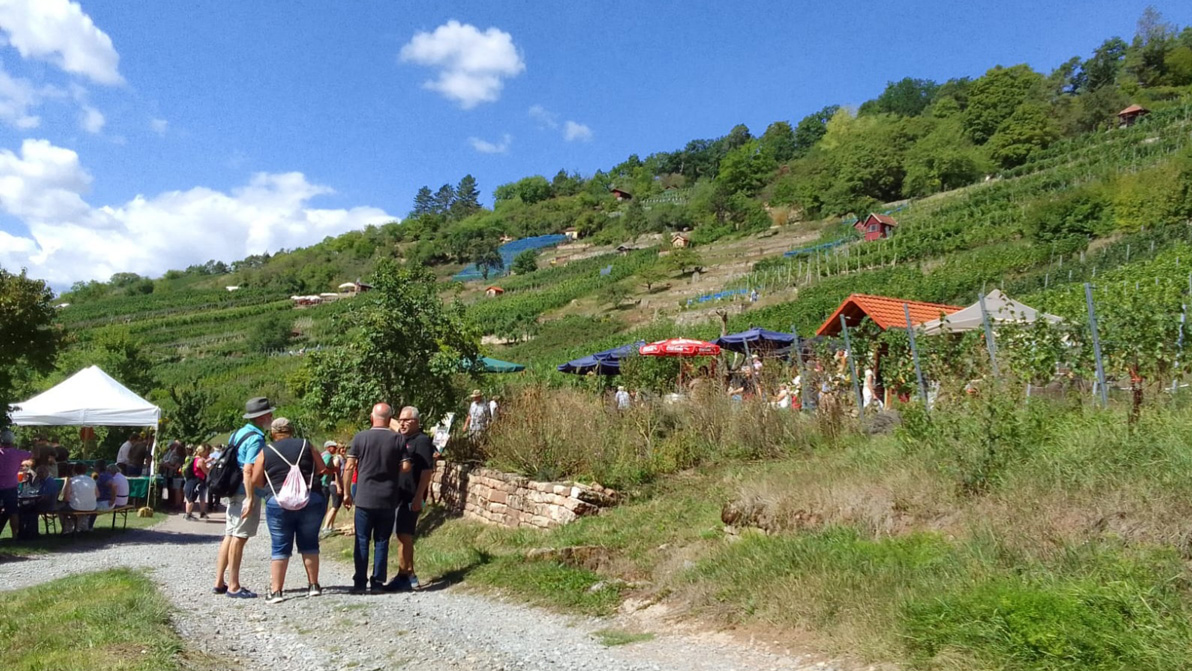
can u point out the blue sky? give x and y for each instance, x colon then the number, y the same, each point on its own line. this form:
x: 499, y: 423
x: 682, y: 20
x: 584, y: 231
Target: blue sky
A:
x: 145, y: 136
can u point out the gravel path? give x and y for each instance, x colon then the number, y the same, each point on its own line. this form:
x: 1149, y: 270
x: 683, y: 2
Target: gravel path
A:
x: 427, y: 630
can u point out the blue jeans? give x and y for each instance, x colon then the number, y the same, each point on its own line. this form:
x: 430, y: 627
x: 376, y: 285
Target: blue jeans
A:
x: 375, y: 524
x: 288, y: 526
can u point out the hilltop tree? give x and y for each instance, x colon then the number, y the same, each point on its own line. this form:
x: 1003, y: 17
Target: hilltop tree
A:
x: 995, y: 96
x: 529, y: 190
x: 1102, y: 69
x: 424, y: 202
x: 811, y: 128
x: 778, y: 142
x: 399, y: 343
x: 467, y: 198
x: 746, y: 169
x: 443, y: 199
x: 31, y: 339
x: 905, y: 97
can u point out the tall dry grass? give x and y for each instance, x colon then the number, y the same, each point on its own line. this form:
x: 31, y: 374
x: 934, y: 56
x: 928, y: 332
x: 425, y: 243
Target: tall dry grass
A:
x: 566, y: 433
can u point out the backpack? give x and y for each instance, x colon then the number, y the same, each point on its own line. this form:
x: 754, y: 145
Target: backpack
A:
x: 188, y: 469
x: 295, y: 493
x: 226, y: 474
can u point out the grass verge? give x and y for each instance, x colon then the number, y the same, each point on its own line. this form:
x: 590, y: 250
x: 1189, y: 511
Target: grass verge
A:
x: 113, y: 620
x: 613, y: 637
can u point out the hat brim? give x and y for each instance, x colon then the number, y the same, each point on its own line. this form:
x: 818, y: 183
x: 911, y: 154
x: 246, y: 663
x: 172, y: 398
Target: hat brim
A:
x: 259, y: 413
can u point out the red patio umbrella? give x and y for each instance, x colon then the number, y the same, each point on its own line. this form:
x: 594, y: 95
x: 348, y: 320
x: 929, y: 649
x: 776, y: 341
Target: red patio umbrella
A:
x: 680, y: 347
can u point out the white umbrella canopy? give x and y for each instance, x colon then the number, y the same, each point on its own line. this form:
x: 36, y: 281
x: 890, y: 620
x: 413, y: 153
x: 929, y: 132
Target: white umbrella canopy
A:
x: 90, y: 397
x: 1001, y: 310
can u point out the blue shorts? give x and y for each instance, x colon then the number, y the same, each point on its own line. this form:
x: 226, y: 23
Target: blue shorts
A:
x: 287, y: 527
x: 8, y: 500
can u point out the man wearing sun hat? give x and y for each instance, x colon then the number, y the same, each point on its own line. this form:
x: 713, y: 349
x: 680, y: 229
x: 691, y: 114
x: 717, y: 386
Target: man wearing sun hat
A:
x: 243, y: 508
x: 478, y: 415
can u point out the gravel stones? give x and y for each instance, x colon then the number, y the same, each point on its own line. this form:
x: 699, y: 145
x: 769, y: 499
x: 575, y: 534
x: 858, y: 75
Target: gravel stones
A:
x: 427, y: 630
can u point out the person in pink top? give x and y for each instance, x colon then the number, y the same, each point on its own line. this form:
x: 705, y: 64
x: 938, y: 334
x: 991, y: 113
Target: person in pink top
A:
x: 10, y: 464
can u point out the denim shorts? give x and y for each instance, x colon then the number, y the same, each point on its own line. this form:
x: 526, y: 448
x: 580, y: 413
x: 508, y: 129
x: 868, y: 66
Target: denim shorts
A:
x: 287, y: 527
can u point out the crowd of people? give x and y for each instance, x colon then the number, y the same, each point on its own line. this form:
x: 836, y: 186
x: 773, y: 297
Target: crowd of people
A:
x: 30, y: 487
x: 388, y: 467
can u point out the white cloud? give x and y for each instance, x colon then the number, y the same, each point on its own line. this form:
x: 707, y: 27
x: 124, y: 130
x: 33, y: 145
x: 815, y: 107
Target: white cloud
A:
x: 159, y: 126
x: 91, y: 120
x: 70, y: 240
x: 548, y: 120
x: 573, y: 131
x: 18, y: 97
x: 544, y: 117
x: 59, y: 32
x: 472, y: 65
x: 486, y: 147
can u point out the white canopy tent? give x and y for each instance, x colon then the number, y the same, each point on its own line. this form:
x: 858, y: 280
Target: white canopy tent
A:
x: 90, y: 397
x: 1001, y: 310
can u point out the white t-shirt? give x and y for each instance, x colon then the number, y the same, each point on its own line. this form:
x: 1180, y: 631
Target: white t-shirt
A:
x: 83, y: 492
x: 122, y: 455
x: 479, y: 416
x: 622, y: 399
x: 121, y: 490
x: 492, y: 410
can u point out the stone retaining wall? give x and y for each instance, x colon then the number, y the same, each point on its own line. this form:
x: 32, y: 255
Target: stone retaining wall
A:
x: 513, y: 500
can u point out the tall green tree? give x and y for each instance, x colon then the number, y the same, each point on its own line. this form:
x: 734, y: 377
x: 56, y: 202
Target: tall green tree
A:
x: 905, y: 97
x: 1103, y: 68
x: 483, y: 253
x: 1029, y: 129
x: 525, y: 262
x: 400, y: 344
x: 424, y: 202
x: 29, y: 338
x: 995, y: 96
x: 811, y: 128
x: 778, y: 142
x: 443, y: 199
x: 191, y: 418
x: 467, y: 198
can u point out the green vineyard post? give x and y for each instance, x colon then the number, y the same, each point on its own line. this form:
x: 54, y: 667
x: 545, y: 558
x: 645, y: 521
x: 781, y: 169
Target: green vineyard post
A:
x: 910, y: 330
x: 803, y: 381
x: 1088, y: 297
x: 852, y: 368
x: 989, y: 342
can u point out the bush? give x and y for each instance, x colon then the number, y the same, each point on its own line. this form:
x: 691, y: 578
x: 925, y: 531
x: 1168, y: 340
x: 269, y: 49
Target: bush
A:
x: 1073, y: 217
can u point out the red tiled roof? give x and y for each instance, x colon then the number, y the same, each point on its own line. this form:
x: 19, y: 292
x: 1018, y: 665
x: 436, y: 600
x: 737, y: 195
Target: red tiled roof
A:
x: 501, y: 291
x: 885, y: 312
x: 1133, y: 109
x: 883, y: 218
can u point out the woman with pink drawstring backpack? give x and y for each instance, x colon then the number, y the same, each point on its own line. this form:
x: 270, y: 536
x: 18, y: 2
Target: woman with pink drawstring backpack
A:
x: 290, y: 467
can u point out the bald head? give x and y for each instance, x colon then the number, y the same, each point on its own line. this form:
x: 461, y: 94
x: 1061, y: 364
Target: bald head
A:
x: 381, y: 414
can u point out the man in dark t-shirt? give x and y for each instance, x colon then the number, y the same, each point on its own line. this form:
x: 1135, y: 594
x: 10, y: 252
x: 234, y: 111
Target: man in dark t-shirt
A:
x: 417, y: 466
x: 375, y: 457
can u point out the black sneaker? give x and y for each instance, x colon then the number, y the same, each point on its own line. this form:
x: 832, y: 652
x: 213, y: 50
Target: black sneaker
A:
x: 358, y: 590
x: 219, y: 590
x: 399, y: 584
x: 376, y: 585
x: 314, y: 590
x: 274, y: 597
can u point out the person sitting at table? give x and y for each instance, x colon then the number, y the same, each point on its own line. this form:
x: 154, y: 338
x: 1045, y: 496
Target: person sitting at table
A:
x: 41, y: 496
x: 80, y: 495
x: 106, y: 496
x: 121, y: 483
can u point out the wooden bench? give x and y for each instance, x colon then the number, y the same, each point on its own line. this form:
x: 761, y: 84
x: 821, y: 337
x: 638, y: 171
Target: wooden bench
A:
x: 51, y: 518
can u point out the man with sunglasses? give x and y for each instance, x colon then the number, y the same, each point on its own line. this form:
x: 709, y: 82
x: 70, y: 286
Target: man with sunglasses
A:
x: 417, y: 467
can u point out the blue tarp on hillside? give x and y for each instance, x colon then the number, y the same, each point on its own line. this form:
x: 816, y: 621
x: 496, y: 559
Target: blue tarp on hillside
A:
x: 607, y: 362
x: 757, y: 339
x: 508, y: 252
